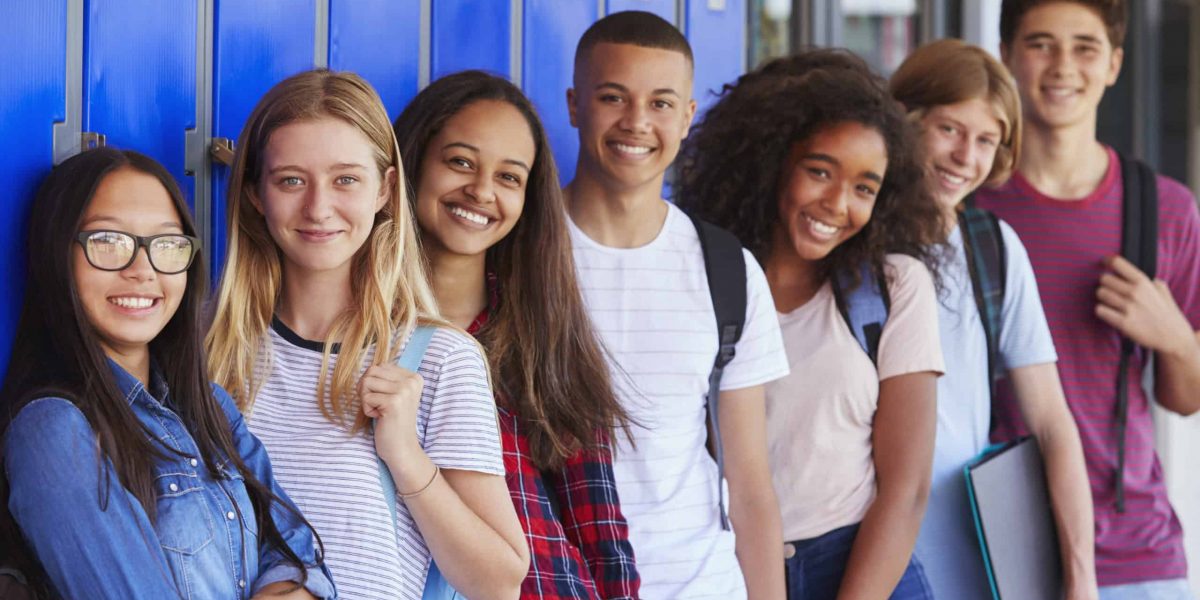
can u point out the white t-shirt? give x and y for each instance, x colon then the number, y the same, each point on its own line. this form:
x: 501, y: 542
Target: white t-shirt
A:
x: 652, y: 308
x: 820, y: 417
x: 947, y: 546
x: 333, y: 476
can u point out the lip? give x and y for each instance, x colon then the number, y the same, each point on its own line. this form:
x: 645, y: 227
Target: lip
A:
x: 631, y: 149
x: 317, y: 236
x: 943, y: 175
x: 135, y: 311
x: 1059, y: 93
x: 452, y: 207
x: 814, y: 228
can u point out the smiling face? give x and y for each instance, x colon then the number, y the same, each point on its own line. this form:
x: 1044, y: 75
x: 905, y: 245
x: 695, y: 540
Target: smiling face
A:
x: 319, y: 191
x: 632, y: 106
x: 960, y: 142
x: 828, y: 192
x: 1063, y: 61
x: 128, y: 308
x: 473, y: 178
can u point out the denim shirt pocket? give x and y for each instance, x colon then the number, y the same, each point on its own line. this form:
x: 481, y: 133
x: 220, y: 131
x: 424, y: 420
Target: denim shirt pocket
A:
x: 184, y: 521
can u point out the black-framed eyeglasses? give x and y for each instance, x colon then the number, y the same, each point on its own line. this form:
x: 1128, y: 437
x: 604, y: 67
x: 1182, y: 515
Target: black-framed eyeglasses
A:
x: 108, y: 250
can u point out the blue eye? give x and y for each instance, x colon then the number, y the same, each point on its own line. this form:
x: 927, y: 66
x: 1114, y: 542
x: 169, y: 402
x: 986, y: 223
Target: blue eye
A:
x: 346, y: 180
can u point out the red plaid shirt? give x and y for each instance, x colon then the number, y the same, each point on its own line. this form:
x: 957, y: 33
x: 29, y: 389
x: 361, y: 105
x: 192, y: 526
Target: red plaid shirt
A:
x: 584, y: 551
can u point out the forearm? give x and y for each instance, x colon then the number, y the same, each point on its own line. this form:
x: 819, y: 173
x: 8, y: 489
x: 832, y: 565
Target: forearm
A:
x: 884, y: 543
x: 1071, y: 499
x: 759, y: 544
x: 474, y: 556
x: 1177, y: 375
x: 284, y: 590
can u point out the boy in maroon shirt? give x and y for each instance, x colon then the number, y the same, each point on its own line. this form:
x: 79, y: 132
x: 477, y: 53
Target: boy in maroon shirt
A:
x: 1065, y: 201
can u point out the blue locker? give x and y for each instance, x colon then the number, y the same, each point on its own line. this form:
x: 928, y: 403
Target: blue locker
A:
x: 662, y: 8
x: 380, y: 40
x: 139, y: 86
x: 551, y: 30
x: 468, y: 34
x: 255, y: 45
x: 32, y: 92
x: 717, y: 32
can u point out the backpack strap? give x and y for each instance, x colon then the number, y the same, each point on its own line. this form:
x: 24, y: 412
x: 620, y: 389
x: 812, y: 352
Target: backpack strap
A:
x: 410, y: 359
x: 725, y: 266
x: 983, y: 243
x: 864, y: 307
x: 1139, y: 245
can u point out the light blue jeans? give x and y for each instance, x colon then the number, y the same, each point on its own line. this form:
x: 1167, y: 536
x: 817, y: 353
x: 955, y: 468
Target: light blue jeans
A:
x: 1168, y: 589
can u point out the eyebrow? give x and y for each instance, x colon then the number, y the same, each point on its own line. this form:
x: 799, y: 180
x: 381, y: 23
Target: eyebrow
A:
x: 872, y: 175
x: 1080, y: 37
x: 117, y: 221
x: 334, y: 167
x: 623, y: 89
x: 510, y: 161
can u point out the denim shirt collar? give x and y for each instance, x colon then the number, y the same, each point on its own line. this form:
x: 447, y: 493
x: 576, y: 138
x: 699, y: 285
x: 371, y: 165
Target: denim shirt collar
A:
x: 132, y: 387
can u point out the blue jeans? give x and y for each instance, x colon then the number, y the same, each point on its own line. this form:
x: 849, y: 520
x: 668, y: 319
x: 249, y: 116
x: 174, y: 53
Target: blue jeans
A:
x: 1170, y: 589
x: 815, y: 571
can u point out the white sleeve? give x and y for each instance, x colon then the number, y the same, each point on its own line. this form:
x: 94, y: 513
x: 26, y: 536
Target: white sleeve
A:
x: 458, y: 411
x: 760, y: 357
x: 1024, y: 334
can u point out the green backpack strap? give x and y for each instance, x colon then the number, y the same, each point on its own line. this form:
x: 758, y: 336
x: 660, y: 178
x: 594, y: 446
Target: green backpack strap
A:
x: 987, y: 263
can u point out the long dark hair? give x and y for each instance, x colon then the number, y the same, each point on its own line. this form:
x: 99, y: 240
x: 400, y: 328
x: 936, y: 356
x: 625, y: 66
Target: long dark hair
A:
x: 57, y: 353
x: 730, y: 166
x: 546, y: 361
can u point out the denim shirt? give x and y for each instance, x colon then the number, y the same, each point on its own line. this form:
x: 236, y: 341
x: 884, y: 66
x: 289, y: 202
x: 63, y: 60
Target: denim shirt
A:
x: 95, y: 540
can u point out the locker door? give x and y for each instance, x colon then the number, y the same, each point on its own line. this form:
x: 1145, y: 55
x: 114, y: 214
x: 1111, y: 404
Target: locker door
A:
x: 255, y: 45
x: 662, y: 8
x: 380, y: 40
x: 32, y: 92
x: 551, y: 30
x: 716, y: 30
x: 468, y: 34
x: 139, y: 85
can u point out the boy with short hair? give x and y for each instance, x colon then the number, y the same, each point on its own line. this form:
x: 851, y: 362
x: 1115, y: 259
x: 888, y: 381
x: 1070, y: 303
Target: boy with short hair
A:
x: 642, y: 273
x: 1065, y: 202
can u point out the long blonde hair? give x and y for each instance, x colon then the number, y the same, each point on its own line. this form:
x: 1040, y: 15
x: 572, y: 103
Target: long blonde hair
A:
x: 388, y: 280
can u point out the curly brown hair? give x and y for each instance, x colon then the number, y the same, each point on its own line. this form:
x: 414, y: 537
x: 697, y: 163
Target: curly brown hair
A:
x: 731, y: 165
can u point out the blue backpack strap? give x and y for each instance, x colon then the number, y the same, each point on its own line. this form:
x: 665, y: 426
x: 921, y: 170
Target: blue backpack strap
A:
x: 1139, y: 245
x: 409, y: 359
x: 725, y: 266
x: 987, y: 263
x: 864, y: 307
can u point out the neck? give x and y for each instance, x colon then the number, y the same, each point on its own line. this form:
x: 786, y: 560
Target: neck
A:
x: 616, y: 217
x: 459, y: 284
x: 312, y: 302
x: 1063, y: 162
x: 135, y: 361
x: 793, y: 280
x: 950, y: 217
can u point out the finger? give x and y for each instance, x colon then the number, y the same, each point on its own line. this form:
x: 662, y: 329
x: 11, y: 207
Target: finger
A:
x: 1125, y: 269
x: 1111, y: 316
x: 388, y: 372
x: 1112, y: 300
x: 1116, y: 284
x: 375, y: 384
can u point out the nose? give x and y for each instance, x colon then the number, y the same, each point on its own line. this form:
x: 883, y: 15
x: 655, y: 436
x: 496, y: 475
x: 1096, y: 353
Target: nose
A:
x: 964, y: 151
x: 318, y: 205
x: 140, y: 269
x: 836, y: 199
x: 481, y: 189
x: 634, y: 118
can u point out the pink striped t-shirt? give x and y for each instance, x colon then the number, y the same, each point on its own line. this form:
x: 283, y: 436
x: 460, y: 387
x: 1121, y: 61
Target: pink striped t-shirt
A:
x: 1067, y: 240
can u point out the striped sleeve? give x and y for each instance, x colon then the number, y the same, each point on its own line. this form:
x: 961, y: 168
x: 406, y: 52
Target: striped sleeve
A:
x: 458, y: 412
x: 760, y: 357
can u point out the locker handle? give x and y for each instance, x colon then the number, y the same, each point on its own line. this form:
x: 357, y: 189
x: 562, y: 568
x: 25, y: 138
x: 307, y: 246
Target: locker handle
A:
x: 90, y: 140
x: 222, y: 151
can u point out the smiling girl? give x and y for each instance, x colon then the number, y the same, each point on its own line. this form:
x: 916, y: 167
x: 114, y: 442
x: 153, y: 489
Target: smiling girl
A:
x: 813, y: 166
x: 128, y: 475
x: 492, y: 223
x: 323, y: 289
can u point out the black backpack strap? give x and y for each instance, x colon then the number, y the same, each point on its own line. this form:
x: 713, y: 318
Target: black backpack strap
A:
x: 987, y: 263
x: 725, y: 266
x: 865, y: 305
x: 1139, y: 245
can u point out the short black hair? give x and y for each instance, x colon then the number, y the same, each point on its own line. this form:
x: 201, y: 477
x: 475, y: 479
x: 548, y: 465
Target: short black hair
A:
x: 636, y: 28
x: 1114, y: 14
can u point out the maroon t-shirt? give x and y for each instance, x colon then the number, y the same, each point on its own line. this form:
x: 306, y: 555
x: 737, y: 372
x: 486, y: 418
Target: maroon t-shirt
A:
x: 1067, y: 242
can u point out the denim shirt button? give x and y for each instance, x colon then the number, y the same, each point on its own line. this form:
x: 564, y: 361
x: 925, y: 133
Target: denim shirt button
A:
x: 230, y: 515
x: 242, y: 583
x: 194, y: 462
x: 173, y: 487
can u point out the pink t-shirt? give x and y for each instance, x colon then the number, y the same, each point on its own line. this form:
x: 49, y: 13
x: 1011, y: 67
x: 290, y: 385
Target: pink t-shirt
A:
x: 819, y: 417
x: 1067, y: 240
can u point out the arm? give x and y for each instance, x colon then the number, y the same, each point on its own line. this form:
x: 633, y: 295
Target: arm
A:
x: 283, y: 590
x: 592, y: 521
x: 1044, y: 408
x: 1145, y: 312
x: 753, y: 508
x: 90, y: 546
x: 902, y: 438
x: 275, y: 572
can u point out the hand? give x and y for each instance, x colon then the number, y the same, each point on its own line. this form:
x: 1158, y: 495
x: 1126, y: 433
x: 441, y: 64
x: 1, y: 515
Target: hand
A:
x: 1141, y: 309
x: 390, y: 394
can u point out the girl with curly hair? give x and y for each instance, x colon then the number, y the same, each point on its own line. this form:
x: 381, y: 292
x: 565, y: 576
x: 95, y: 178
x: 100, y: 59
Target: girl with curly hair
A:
x: 815, y: 168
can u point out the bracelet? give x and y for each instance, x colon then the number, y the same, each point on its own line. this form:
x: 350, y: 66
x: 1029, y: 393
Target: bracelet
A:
x: 436, y: 470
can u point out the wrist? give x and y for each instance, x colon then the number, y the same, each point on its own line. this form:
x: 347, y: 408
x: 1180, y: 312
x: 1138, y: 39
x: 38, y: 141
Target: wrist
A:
x: 407, y: 465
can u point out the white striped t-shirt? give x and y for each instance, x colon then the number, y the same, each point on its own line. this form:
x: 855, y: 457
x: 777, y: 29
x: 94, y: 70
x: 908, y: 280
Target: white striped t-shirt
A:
x: 333, y: 476
x: 652, y: 308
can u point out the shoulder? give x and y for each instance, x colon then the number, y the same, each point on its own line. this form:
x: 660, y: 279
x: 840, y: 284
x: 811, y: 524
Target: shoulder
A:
x: 904, y: 271
x: 226, y: 402
x: 47, y: 429
x: 1175, y: 201
x: 452, y: 352
x: 47, y: 417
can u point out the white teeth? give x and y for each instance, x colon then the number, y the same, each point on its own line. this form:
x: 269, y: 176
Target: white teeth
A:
x: 131, y: 302
x: 632, y: 149
x: 468, y: 215
x: 951, y: 178
x: 821, y: 228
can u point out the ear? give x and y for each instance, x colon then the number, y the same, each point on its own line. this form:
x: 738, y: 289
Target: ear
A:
x: 386, y: 188
x: 251, y: 192
x: 1005, y: 54
x: 571, y: 106
x: 690, y: 116
x: 1114, y: 66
